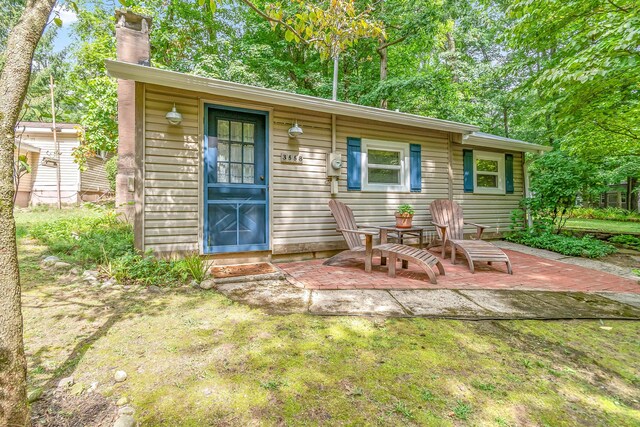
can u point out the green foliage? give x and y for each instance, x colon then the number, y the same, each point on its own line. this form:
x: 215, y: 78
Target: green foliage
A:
x: 587, y: 246
x: 196, y: 266
x: 330, y: 30
x: 611, y: 214
x: 462, y: 410
x: 105, y: 241
x: 86, y: 240
x: 111, y: 168
x: 557, y: 179
x: 626, y: 240
x: 137, y: 269
x: 583, y: 62
x: 406, y: 209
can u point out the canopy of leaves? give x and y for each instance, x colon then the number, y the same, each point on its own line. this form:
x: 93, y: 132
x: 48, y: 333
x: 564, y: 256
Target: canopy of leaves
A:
x: 560, y: 72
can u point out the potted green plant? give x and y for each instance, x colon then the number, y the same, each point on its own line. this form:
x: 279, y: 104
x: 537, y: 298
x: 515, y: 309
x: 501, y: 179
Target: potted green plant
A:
x: 404, y: 216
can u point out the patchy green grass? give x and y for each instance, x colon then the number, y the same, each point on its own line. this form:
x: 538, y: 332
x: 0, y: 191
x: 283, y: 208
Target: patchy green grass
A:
x: 605, y: 226
x: 196, y: 358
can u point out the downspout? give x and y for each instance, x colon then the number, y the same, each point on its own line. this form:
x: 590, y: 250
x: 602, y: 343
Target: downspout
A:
x: 334, y: 179
x: 527, y: 192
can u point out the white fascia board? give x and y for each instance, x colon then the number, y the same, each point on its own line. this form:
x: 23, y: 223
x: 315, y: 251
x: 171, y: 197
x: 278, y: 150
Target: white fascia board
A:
x: 140, y: 73
x: 27, y: 147
x: 502, y: 143
x: 44, y: 131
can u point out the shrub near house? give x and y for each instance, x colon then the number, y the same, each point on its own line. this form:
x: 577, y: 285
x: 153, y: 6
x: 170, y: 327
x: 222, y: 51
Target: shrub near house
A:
x: 100, y: 239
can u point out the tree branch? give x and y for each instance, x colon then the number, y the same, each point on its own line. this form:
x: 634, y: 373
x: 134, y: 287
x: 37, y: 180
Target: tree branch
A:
x: 620, y: 8
x: 386, y: 45
x: 270, y: 19
x: 623, y: 132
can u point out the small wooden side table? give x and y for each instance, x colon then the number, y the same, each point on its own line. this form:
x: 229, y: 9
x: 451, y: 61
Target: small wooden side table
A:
x: 400, y: 233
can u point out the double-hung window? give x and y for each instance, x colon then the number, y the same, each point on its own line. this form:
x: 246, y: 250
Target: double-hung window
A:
x: 385, y: 166
x: 488, y: 172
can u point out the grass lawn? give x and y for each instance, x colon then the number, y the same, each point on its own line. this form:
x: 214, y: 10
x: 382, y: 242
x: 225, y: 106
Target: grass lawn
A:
x: 604, y: 226
x: 195, y: 358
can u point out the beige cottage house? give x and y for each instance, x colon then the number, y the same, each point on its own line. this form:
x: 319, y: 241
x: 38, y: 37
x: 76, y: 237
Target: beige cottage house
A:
x: 245, y: 173
x: 34, y: 140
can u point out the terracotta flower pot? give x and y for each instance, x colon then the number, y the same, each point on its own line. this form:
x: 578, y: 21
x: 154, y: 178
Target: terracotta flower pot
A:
x: 404, y: 220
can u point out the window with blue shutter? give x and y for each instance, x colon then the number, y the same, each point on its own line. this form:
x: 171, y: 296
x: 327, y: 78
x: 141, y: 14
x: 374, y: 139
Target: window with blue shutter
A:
x: 467, y: 165
x: 354, y: 168
x: 415, y: 151
x: 508, y: 171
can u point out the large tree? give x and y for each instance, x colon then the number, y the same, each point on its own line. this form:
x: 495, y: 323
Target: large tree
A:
x: 14, y: 80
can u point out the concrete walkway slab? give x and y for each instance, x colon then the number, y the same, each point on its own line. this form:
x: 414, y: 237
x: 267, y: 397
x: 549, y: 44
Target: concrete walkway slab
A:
x: 355, y: 302
x: 440, y: 302
x: 629, y: 299
x: 275, y: 296
x: 497, y: 301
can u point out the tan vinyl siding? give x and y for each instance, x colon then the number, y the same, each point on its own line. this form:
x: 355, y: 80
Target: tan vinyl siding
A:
x: 171, y: 172
x: 493, y: 210
x: 299, y: 219
x: 94, y: 177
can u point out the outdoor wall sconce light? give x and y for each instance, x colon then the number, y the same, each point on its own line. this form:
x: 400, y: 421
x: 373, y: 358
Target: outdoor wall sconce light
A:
x: 295, y: 130
x: 173, y: 116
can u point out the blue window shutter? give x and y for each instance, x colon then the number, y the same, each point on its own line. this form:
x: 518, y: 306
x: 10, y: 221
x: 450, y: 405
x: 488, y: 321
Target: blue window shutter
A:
x: 415, y: 169
x: 467, y: 165
x: 354, y: 168
x: 508, y: 173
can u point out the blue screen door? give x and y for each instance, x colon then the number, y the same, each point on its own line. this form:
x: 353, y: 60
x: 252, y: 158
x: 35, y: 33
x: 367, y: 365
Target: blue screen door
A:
x: 236, y: 187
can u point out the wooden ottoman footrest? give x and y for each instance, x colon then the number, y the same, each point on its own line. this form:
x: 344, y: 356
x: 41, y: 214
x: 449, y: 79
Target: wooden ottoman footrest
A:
x: 479, y: 250
x: 421, y: 257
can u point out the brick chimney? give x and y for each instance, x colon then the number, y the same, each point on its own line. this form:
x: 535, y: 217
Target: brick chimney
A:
x: 132, y: 45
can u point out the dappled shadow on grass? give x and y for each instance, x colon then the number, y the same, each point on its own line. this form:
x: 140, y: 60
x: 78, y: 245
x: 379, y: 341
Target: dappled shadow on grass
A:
x: 197, y: 358
x: 228, y: 364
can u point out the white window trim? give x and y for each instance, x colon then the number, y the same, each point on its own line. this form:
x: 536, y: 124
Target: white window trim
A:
x: 405, y: 177
x: 486, y: 155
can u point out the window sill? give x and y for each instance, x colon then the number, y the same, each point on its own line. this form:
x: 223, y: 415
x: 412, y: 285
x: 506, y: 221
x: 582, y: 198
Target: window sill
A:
x: 493, y: 191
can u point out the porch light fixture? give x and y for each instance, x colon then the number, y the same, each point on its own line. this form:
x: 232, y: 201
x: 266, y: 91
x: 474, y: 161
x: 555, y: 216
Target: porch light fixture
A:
x: 173, y: 116
x: 295, y: 130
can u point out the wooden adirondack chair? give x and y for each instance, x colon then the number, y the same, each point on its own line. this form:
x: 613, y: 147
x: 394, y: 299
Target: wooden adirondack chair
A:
x: 357, y: 248
x: 449, y: 222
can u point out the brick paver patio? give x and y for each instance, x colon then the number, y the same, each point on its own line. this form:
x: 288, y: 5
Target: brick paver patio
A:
x: 529, y: 273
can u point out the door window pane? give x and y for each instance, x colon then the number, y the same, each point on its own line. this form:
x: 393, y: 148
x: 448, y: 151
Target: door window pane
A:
x: 223, y: 172
x: 247, y: 174
x: 384, y: 176
x: 236, y: 153
x: 236, y: 173
x: 249, y: 130
x: 236, y: 131
x: 223, y: 129
x: 223, y: 152
x: 383, y: 157
x: 248, y: 154
x: 487, y: 181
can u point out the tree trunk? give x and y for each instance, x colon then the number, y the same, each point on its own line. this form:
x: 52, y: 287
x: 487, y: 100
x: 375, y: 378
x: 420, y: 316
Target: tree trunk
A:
x: 451, y: 56
x: 505, y: 120
x: 384, y: 58
x: 14, y: 81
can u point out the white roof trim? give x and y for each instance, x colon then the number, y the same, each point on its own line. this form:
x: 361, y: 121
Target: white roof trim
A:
x: 140, y: 73
x: 28, y: 147
x: 26, y: 130
x: 488, y: 140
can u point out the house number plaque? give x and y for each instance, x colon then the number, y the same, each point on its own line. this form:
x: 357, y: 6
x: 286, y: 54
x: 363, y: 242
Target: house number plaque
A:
x: 290, y: 157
